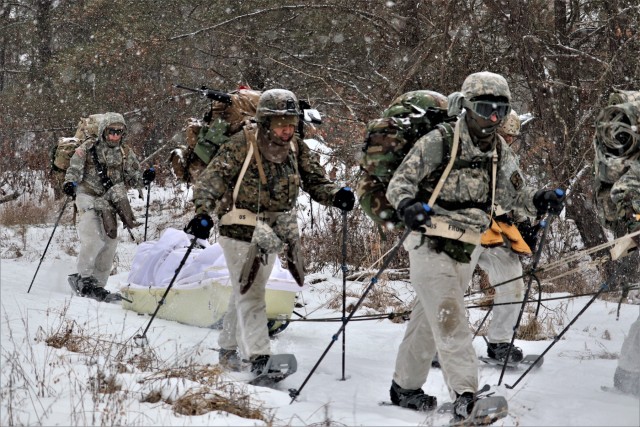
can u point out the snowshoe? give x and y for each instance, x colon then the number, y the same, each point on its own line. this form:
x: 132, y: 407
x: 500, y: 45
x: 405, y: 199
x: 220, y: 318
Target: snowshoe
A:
x: 529, y: 359
x: 476, y: 410
x: 272, y: 369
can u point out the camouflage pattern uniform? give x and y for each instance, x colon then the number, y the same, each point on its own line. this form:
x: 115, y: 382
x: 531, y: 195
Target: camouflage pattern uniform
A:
x: 438, y: 321
x: 97, y: 250
x: 245, y: 322
x: 617, y: 197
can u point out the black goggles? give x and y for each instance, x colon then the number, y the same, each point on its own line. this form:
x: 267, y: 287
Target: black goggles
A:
x: 117, y: 132
x: 485, y: 109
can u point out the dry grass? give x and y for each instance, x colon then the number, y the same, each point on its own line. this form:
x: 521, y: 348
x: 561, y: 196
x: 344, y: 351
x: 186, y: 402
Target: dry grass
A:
x: 30, y: 212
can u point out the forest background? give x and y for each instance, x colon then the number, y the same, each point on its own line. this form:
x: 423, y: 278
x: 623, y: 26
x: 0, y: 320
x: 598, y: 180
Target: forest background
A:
x: 62, y: 60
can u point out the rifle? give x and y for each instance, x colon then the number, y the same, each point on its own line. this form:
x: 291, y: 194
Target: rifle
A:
x: 216, y: 95
x: 307, y: 114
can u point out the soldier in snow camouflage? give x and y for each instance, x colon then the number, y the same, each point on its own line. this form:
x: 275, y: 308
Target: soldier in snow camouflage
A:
x: 98, y: 203
x: 440, y: 264
x: 617, y: 196
x: 252, y: 186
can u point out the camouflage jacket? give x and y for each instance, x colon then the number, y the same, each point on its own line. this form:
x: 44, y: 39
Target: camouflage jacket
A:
x: 213, y: 192
x: 121, y: 163
x: 465, y: 198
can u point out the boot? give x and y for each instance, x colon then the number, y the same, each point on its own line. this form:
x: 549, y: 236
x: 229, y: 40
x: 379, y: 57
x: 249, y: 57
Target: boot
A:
x: 89, y: 288
x: 463, y: 405
x: 229, y: 360
x: 498, y: 351
x: 412, y: 399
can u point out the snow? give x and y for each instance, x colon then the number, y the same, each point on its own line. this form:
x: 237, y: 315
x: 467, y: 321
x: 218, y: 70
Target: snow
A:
x: 43, y: 385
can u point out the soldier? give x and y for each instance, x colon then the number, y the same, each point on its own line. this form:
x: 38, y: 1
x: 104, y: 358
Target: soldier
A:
x: 98, y: 172
x: 617, y: 197
x: 446, y: 237
x: 502, y: 245
x: 252, y: 186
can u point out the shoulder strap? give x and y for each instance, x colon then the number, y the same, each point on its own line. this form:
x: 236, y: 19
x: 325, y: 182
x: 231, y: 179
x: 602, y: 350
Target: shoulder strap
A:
x: 446, y: 135
x: 101, y: 169
x: 251, y: 135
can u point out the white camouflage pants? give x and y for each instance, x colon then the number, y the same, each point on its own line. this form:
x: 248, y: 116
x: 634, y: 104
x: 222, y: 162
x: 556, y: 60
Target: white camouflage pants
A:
x: 630, y: 353
x: 438, y: 322
x: 97, y: 250
x: 245, y: 322
x: 502, y: 264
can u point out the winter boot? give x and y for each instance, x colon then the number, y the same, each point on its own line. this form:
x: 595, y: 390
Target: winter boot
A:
x: 89, y: 288
x: 498, y: 351
x: 412, y: 399
x: 463, y: 405
x: 258, y: 363
x: 229, y: 360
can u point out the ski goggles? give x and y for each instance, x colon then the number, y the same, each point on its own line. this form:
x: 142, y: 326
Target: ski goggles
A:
x: 112, y: 131
x: 485, y: 109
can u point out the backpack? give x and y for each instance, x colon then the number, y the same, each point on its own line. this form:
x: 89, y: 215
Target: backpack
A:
x: 389, y: 139
x: 203, y: 137
x: 63, y: 149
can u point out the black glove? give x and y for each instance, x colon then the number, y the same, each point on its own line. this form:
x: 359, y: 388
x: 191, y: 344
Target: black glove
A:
x: 200, y: 226
x: 551, y: 201
x: 529, y: 233
x: 69, y: 188
x: 148, y: 176
x: 344, y: 199
x: 414, y: 213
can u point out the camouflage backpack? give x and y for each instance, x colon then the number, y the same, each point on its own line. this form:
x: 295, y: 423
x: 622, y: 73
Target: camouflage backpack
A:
x: 64, y: 148
x: 387, y: 142
x: 203, y: 137
x: 617, y: 147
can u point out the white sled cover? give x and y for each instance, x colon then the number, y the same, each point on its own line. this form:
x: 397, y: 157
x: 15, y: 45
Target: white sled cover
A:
x: 200, y: 294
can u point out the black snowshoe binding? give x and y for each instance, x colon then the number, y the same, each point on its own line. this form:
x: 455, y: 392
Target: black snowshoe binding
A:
x: 272, y: 369
x: 417, y: 400
x: 498, y: 351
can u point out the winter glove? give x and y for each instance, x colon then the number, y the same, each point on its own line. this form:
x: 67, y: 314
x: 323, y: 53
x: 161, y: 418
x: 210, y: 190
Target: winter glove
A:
x: 69, y: 188
x: 344, y: 199
x: 551, y: 201
x: 200, y: 226
x: 148, y: 176
x: 414, y: 214
x: 529, y: 233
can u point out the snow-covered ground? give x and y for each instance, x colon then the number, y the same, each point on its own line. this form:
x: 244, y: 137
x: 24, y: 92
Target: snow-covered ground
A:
x: 43, y: 385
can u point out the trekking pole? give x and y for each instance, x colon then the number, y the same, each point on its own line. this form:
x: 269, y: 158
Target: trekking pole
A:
x: 146, y: 215
x: 484, y: 319
x: 536, y: 259
x: 294, y: 393
x: 47, y: 247
x: 141, y: 340
x: 344, y: 287
x: 603, y: 288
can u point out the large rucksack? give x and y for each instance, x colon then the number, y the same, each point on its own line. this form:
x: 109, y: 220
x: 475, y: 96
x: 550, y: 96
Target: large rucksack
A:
x: 387, y: 142
x: 63, y: 149
x: 616, y: 146
x: 203, y: 137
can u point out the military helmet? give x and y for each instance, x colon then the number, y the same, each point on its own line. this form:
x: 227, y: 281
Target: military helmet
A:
x: 276, y: 102
x: 422, y: 99
x: 510, y: 125
x: 485, y: 83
